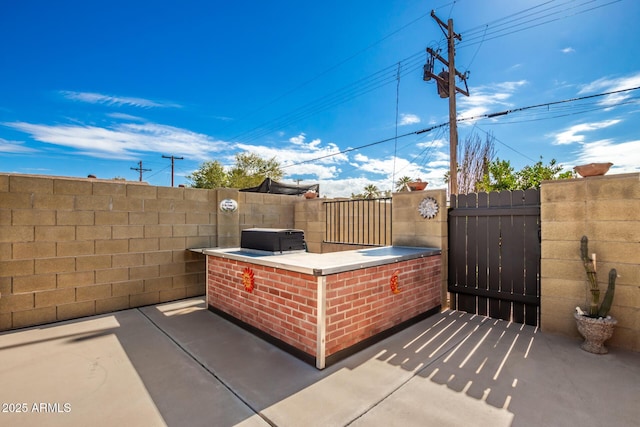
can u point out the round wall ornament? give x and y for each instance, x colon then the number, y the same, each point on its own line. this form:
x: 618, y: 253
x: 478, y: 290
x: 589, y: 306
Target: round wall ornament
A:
x: 428, y: 207
x: 248, y: 279
x: 228, y: 205
x: 394, y: 282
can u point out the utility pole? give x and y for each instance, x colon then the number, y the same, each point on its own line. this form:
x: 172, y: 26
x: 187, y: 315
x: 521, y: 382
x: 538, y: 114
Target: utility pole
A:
x: 173, y: 158
x: 447, y: 88
x: 140, y: 169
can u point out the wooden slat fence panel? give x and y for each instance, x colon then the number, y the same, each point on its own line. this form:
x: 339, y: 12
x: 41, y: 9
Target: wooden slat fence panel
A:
x: 363, y: 222
x: 494, y: 254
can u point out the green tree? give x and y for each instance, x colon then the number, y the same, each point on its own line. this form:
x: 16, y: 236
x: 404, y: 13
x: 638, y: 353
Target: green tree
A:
x: 402, y: 184
x: 532, y: 176
x: 211, y: 174
x: 250, y: 170
x: 501, y: 175
x: 371, y: 191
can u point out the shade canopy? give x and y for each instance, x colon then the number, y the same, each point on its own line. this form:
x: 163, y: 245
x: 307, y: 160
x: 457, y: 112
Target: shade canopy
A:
x: 274, y: 187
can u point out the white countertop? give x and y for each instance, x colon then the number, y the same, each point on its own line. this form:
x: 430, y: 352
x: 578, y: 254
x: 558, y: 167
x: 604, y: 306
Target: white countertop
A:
x: 327, y: 263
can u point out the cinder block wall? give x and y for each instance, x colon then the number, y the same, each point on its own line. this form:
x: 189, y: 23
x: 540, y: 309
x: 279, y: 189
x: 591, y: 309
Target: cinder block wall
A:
x: 607, y: 210
x: 410, y: 228
x: 76, y: 247
x: 266, y: 210
x: 254, y: 210
x: 309, y: 215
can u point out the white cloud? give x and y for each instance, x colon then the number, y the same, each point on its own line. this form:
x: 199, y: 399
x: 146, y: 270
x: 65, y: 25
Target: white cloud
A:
x: 625, y: 156
x: 122, y: 116
x: 325, y: 166
x: 392, y: 168
x: 346, y: 187
x: 303, y: 158
x: 607, y: 84
x: 568, y: 50
x: 436, y: 143
x: 14, y: 147
x: 123, y: 141
x: 408, y: 119
x: 487, y: 99
x: 298, y: 140
x: 574, y: 134
x: 98, y: 98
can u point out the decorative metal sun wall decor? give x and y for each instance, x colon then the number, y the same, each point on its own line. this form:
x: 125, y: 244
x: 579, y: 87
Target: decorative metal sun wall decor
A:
x: 393, y: 282
x: 428, y: 208
x: 248, y: 280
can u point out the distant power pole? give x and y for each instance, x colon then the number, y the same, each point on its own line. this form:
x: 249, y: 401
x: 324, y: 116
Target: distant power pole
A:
x: 140, y: 169
x: 447, y: 88
x: 173, y: 158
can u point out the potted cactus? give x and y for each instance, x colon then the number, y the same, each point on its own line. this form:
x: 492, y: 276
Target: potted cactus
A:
x: 595, y: 324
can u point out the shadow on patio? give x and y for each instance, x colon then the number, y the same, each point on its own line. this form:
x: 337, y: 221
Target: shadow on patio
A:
x: 179, y: 364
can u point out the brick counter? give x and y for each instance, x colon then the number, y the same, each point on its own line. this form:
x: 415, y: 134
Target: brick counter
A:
x: 323, y: 307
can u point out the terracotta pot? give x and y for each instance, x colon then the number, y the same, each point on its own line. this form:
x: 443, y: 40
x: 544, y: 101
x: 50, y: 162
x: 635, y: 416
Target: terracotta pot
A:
x: 592, y: 169
x: 595, y: 332
x: 417, y: 185
x: 310, y: 195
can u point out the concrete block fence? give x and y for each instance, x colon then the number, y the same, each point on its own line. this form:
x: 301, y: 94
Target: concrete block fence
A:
x: 76, y: 247
x: 607, y: 210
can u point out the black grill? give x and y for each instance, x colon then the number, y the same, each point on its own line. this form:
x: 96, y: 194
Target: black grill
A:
x: 273, y: 240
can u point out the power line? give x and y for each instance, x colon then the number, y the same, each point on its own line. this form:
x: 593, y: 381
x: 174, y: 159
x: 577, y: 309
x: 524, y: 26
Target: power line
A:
x: 140, y: 169
x: 568, y: 112
x: 173, y: 159
x: 475, y: 36
x: 350, y: 91
x: 516, y: 28
x: 340, y: 63
x: 489, y: 115
x: 503, y: 143
x: 348, y: 150
x: 161, y: 170
x: 546, y: 104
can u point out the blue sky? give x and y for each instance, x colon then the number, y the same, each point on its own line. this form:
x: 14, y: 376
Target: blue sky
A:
x: 94, y: 87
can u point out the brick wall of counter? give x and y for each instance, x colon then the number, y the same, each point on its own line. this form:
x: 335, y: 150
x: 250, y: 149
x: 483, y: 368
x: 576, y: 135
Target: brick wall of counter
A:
x: 283, y: 303
x: 360, y: 303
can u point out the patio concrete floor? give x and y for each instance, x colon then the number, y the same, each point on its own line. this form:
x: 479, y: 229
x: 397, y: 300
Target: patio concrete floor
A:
x: 178, y: 364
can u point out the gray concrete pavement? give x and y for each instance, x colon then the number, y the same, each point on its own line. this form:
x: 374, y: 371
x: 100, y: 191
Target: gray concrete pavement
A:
x: 178, y: 364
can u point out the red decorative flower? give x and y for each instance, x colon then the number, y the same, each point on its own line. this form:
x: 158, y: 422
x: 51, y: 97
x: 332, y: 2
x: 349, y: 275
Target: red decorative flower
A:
x: 394, y: 282
x: 248, y: 280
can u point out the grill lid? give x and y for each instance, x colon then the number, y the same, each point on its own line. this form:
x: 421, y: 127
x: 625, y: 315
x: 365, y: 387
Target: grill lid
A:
x: 278, y: 240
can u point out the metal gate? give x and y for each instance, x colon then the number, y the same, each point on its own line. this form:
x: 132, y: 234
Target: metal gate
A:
x: 365, y: 222
x: 494, y: 255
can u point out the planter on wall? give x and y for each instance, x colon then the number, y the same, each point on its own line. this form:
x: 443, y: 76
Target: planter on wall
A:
x: 592, y: 169
x: 417, y: 185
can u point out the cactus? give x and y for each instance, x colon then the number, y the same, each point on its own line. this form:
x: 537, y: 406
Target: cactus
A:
x: 595, y: 309
x: 608, y: 296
